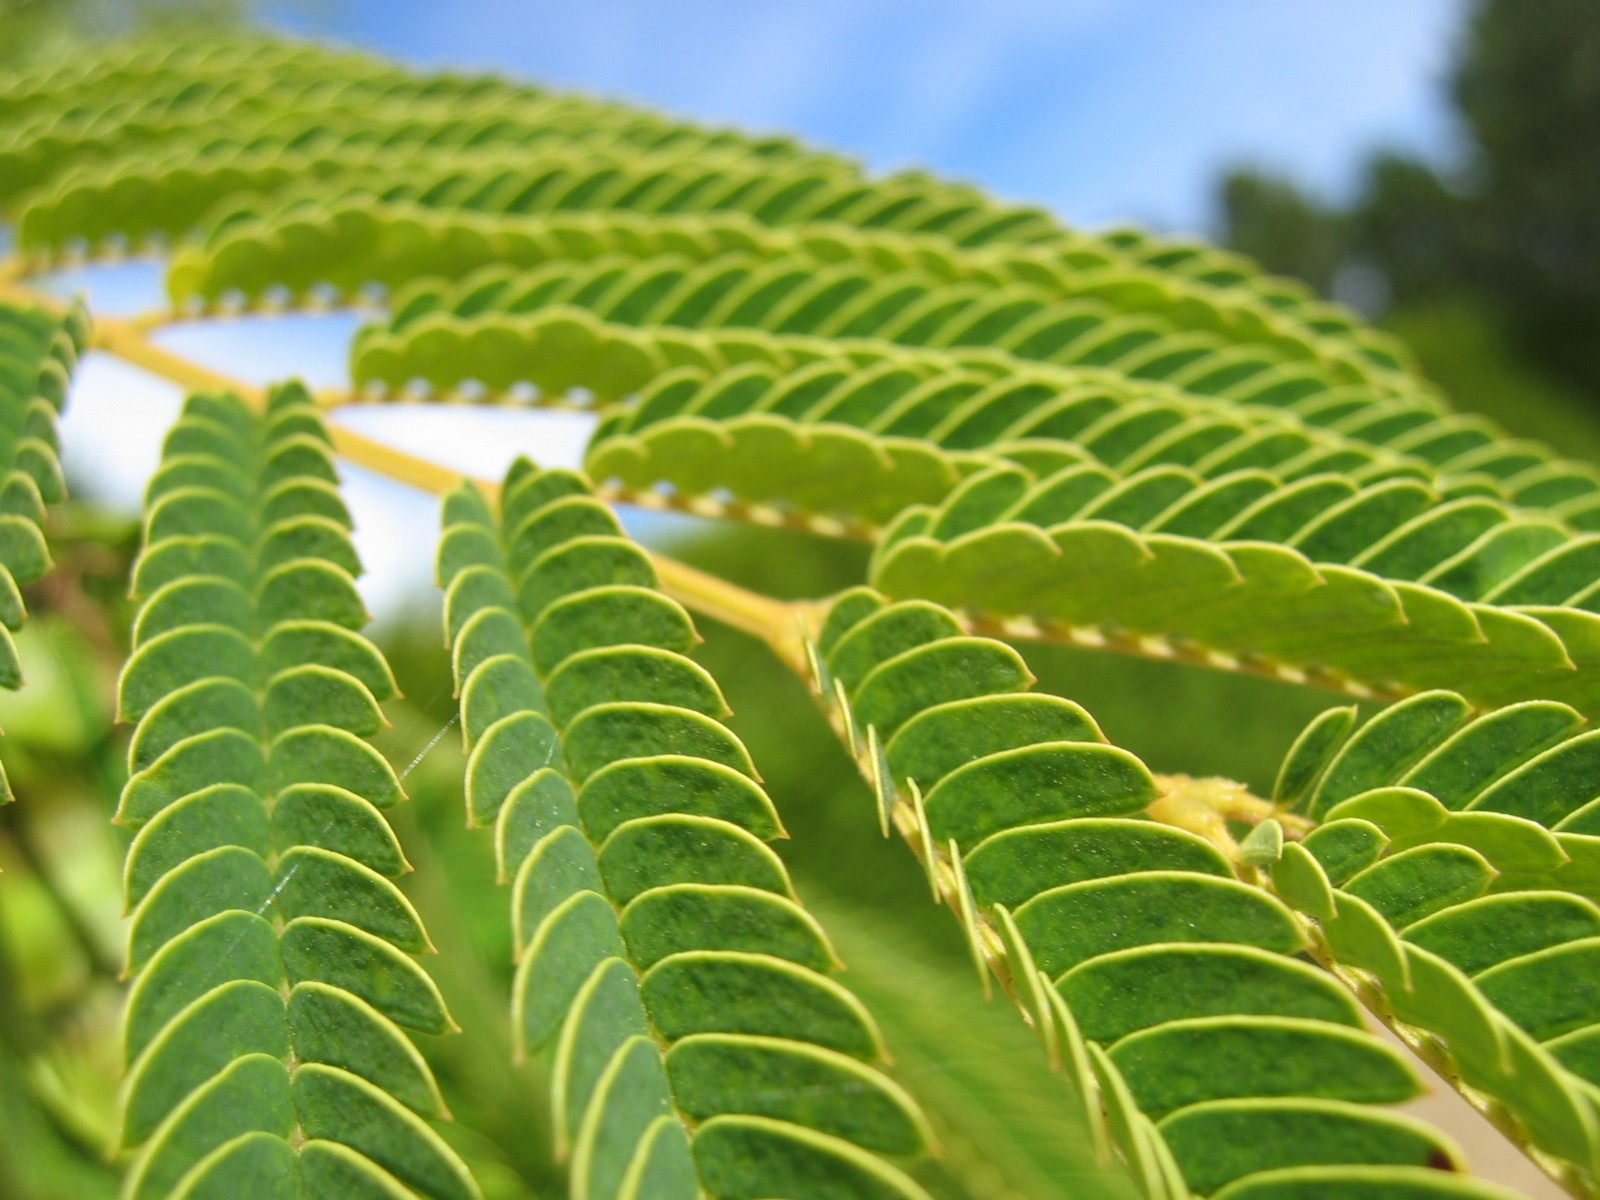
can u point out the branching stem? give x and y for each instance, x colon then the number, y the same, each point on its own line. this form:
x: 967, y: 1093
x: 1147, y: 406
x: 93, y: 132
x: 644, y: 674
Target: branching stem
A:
x: 776, y: 622
x: 410, y: 469
x: 133, y: 345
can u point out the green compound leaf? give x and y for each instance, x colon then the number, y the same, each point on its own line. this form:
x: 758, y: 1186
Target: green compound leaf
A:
x: 1014, y: 316
x: 1114, y: 439
x: 679, y: 997
x: 39, y: 350
x: 1474, y: 922
x: 269, y: 946
x: 1195, y: 403
x: 1168, y: 982
x: 785, y: 296
x: 1233, y: 601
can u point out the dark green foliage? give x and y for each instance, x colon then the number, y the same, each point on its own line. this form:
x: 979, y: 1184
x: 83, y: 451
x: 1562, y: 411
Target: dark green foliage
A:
x: 268, y: 943
x: 1476, y: 918
x: 38, y: 352
x: 1139, y: 938
x: 644, y: 902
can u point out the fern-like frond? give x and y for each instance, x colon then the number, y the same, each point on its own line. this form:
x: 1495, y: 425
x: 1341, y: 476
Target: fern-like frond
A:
x: 271, y: 951
x: 1048, y: 416
x: 1161, y: 977
x: 1291, y: 583
x: 219, y: 82
x: 190, y: 191
x: 681, y: 998
x: 38, y: 351
x: 916, y: 430
x: 701, y: 388
x: 129, y: 71
x: 667, y: 312
x: 928, y: 291
x: 782, y: 214
x: 1467, y: 850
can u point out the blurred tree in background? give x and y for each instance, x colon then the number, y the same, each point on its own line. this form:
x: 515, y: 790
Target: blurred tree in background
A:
x: 1489, y: 265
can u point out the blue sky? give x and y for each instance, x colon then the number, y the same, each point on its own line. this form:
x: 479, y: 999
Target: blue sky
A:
x: 1101, y: 109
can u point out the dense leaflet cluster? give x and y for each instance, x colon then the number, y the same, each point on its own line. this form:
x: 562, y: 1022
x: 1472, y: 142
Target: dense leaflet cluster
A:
x: 1453, y: 873
x: 1422, y: 517
x: 38, y: 351
x: 681, y: 279
x: 1116, y: 439
x: 832, y: 274
x: 1003, y: 544
x: 1172, y: 990
x: 271, y: 951
x: 1428, y: 550
x: 1475, y: 841
x: 682, y: 998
